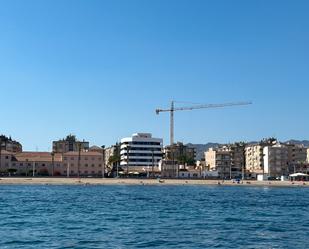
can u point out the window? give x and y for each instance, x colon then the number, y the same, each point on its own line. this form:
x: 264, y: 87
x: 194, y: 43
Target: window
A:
x: 92, y: 165
x: 86, y: 172
x: 65, y: 158
x: 86, y: 158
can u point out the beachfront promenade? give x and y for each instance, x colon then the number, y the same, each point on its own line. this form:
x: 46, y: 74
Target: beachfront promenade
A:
x: 140, y: 181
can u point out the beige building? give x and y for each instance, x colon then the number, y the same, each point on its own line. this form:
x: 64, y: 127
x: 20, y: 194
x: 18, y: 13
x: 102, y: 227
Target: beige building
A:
x: 82, y: 164
x: 52, y: 164
x: 228, y: 160
x: 42, y: 163
x: 169, y: 168
x: 10, y: 145
x: 5, y: 161
x: 219, y: 159
x: 297, y: 154
x: 112, y: 156
x: 70, y: 143
x: 254, y: 156
x: 254, y: 159
x: 180, y: 152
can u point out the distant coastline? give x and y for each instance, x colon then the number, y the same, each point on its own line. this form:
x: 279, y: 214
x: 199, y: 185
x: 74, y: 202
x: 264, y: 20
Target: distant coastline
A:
x: 141, y: 181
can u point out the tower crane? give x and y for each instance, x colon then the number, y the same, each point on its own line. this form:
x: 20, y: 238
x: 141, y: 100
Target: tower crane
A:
x: 190, y: 108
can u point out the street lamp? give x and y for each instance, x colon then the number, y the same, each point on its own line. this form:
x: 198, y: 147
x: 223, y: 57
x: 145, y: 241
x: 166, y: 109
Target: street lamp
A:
x: 128, y: 151
x: 53, y: 162
x: 33, y: 169
x: 152, y: 173
x: 0, y: 155
x: 103, y: 159
x: 78, y: 163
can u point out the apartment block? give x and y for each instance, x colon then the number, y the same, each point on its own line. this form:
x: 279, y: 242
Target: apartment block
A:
x: 254, y: 159
x: 180, y: 152
x: 82, y: 164
x: 276, y: 160
x: 10, y: 145
x: 141, y: 152
x: 70, y: 143
x: 52, y: 164
x: 297, y: 153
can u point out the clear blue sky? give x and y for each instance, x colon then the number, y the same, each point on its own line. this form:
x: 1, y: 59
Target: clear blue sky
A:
x: 99, y: 69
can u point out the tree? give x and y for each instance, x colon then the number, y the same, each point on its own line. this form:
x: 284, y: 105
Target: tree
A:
x: 113, y: 160
x: 11, y: 171
x: 184, y: 159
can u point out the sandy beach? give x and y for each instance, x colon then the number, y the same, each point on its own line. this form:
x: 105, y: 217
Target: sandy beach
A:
x: 130, y: 181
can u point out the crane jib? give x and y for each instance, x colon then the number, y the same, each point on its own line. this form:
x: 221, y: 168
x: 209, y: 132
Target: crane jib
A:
x: 188, y: 108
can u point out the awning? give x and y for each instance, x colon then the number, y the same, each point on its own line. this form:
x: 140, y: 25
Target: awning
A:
x: 298, y: 174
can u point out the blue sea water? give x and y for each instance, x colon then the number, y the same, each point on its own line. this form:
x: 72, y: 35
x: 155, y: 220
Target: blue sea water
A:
x: 153, y: 217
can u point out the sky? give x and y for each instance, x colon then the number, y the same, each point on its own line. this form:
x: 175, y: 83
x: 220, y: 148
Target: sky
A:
x: 99, y: 69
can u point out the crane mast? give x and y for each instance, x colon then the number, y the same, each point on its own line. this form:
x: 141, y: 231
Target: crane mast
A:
x: 172, y: 123
x: 190, y: 108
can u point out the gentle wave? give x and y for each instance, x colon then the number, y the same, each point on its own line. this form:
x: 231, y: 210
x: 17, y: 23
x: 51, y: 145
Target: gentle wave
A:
x: 153, y: 217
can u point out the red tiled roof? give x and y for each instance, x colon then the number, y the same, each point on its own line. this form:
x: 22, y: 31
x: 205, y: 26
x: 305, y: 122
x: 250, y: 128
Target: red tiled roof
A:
x: 37, y: 157
x: 83, y: 153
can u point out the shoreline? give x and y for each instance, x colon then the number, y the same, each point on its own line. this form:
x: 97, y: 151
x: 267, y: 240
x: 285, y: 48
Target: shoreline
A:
x: 141, y: 181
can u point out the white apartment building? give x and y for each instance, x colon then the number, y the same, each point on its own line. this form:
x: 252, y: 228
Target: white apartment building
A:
x: 141, y: 152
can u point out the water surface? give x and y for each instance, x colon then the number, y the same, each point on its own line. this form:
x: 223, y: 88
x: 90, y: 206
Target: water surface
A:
x: 153, y: 217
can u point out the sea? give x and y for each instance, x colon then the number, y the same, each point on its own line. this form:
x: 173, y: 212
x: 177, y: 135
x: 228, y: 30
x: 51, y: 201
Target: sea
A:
x: 153, y: 216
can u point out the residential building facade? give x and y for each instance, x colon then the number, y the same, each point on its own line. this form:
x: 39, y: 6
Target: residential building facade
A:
x: 254, y: 159
x: 228, y: 160
x: 276, y: 160
x: 70, y: 164
x: 169, y: 168
x: 141, y: 152
x: 180, y: 152
x: 86, y: 163
x: 219, y: 159
x: 10, y: 145
x: 70, y: 143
